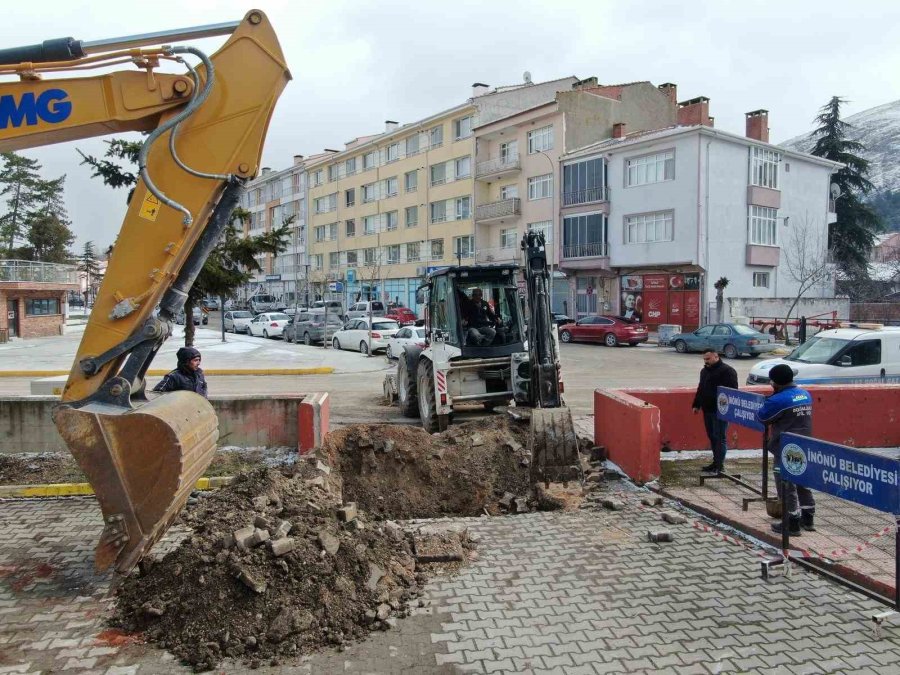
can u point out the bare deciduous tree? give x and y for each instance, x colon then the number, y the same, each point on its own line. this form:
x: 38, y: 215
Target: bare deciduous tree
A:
x: 806, y: 261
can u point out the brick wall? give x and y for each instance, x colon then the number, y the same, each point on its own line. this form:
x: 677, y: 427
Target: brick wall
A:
x: 33, y: 326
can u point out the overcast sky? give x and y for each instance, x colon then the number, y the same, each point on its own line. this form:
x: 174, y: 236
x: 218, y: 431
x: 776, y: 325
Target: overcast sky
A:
x: 358, y: 63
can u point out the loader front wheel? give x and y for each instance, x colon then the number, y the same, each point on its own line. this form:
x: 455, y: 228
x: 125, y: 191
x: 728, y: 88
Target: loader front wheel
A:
x: 431, y: 421
x: 407, y: 391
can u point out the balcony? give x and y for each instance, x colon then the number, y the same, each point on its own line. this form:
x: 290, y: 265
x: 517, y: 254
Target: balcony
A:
x: 505, y: 208
x: 586, y: 196
x: 498, y: 167
x: 598, y: 249
x: 497, y: 255
x: 30, y: 271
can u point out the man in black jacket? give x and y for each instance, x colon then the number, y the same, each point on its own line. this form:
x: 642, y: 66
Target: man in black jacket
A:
x: 716, y: 373
x: 188, y: 376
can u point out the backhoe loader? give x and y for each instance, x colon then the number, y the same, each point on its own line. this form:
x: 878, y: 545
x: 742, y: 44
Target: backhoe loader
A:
x: 205, y: 127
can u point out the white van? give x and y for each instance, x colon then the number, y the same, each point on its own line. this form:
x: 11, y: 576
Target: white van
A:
x: 841, y: 356
x: 262, y: 303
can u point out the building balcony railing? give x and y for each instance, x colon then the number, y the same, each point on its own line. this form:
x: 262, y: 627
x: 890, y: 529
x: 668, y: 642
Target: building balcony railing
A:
x: 29, y: 270
x: 497, y: 165
x: 497, y: 255
x: 501, y: 209
x: 586, y: 196
x: 594, y: 250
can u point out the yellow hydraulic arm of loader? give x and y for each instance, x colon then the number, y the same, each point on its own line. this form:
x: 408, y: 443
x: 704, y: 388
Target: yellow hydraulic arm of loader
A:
x: 207, y: 129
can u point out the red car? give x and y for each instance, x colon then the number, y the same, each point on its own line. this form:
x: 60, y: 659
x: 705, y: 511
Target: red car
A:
x: 610, y: 330
x: 402, y: 315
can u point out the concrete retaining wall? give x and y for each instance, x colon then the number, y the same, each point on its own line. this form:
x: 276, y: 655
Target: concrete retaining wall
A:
x: 26, y: 423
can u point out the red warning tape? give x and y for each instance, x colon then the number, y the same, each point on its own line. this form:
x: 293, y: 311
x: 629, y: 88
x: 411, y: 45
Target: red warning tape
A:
x: 841, y: 552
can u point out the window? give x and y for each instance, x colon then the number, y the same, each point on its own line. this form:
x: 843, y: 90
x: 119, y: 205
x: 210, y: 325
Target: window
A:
x: 393, y: 254
x: 393, y: 152
x: 438, y: 212
x: 317, y: 177
x: 368, y: 193
x: 274, y: 190
x: 319, y: 232
x: 324, y: 204
x: 509, y: 191
x: 390, y: 220
x: 412, y: 145
x: 350, y: 227
x: 451, y: 209
x: 764, y: 167
x: 540, y: 187
x: 763, y: 231
x: 760, y: 280
x: 438, y: 174
x: 508, y: 238
x: 463, y: 208
x: 437, y: 249
x: 350, y: 197
x: 545, y: 227
x: 370, y: 257
x: 390, y: 187
x: 412, y: 252
x: 463, y: 167
x: 350, y: 166
x: 509, y: 152
x: 334, y: 260
x: 368, y: 161
x: 863, y: 353
x: 464, y: 247
x: 649, y: 227
x: 436, y: 136
x: 462, y: 128
x: 42, y: 307
x: 332, y: 231
x: 584, y: 182
x: 650, y: 169
x: 370, y: 224
x: 411, y: 181
x: 334, y: 172
x: 253, y: 197
x: 352, y: 259
x: 412, y: 216
x: 317, y: 261
x: 540, y: 140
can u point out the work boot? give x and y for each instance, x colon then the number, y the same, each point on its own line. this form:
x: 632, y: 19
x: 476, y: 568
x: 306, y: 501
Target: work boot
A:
x: 793, y: 526
x: 806, y: 519
x: 710, y: 468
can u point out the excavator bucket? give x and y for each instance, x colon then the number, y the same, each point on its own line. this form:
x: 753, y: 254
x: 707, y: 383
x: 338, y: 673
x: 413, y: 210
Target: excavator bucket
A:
x: 553, y: 445
x: 142, y: 463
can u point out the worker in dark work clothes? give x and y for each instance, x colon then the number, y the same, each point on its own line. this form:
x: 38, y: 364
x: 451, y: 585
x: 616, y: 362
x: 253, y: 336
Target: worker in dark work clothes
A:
x: 479, y: 319
x: 789, y: 408
x: 714, y: 374
x: 188, y: 376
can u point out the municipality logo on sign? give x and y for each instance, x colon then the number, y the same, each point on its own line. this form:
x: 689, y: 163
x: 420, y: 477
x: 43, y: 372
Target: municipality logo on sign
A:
x: 722, y: 403
x: 794, y: 459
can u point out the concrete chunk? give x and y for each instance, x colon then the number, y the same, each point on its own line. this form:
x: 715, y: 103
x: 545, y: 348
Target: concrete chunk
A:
x: 260, y: 502
x: 244, y: 536
x: 654, y: 500
x: 322, y: 467
x: 251, y: 582
x: 613, y: 504
x: 282, y: 546
x: 375, y: 574
x: 259, y: 537
x: 347, y: 512
x: 329, y: 542
x: 674, y: 517
x: 657, y: 536
x: 282, y: 529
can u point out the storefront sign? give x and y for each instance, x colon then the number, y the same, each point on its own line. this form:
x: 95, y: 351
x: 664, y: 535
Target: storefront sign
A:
x: 692, y: 308
x: 849, y: 473
x: 655, y: 306
x: 676, y: 304
x: 739, y: 407
x: 273, y: 277
x: 634, y: 282
x: 655, y: 282
x: 676, y: 282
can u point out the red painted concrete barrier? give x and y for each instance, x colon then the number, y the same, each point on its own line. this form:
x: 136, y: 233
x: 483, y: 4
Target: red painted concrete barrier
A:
x: 312, y: 421
x: 862, y: 416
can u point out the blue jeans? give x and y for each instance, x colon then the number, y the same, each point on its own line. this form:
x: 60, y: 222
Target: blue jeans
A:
x: 717, y: 432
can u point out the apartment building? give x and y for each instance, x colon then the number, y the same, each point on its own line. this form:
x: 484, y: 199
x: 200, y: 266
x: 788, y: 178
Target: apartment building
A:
x: 518, y: 176
x: 272, y: 199
x: 685, y: 206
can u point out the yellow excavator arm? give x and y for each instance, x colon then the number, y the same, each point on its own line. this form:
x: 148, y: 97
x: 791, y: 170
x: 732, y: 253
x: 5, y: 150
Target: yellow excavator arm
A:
x: 206, y: 131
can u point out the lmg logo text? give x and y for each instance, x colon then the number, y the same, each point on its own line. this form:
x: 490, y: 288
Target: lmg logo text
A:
x: 51, y: 106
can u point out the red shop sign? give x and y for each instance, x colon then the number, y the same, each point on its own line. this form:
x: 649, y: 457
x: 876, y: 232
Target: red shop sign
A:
x: 655, y: 282
x: 692, y: 307
x: 654, y: 306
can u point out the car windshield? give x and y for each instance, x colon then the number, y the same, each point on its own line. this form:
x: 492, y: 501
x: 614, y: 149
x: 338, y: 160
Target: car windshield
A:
x: 743, y: 330
x: 264, y: 298
x: 420, y: 333
x: 385, y: 325
x: 242, y: 315
x: 817, y: 350
x: 279, y: 317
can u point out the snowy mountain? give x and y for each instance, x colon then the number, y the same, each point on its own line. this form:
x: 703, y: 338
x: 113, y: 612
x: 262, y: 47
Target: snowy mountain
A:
x: 878, y: 129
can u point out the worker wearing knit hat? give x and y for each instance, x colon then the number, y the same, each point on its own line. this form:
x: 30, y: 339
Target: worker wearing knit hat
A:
x: 782, y: 374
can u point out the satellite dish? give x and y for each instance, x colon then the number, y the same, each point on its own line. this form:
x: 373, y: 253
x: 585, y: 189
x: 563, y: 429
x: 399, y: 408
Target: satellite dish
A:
x: 527, y: 77
x: 835, y: 190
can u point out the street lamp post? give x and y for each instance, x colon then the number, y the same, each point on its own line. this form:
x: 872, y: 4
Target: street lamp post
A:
x: 553, y: 221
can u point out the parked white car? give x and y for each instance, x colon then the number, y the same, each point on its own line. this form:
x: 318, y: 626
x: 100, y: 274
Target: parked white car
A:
x: 355, y: 335
x: 268, y: 324
x: 237, y: 321
x: 410, y: 335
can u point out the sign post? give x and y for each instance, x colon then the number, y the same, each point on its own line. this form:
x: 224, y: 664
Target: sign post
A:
x: 740, y: 407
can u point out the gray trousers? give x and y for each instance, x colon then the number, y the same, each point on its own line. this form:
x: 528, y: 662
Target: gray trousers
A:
x: 799, y: 498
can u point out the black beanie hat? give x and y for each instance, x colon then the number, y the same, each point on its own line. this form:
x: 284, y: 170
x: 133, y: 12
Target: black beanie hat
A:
x: 185, y: 354
x: 781, y: 374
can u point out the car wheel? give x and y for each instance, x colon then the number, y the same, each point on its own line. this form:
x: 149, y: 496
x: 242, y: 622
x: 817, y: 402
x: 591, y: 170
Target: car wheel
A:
x: 388, y: 353
x: 306, y: 339
x: 681, y: 346
x: 265, y: 334
x: 565, y: 336
x: 731, y: 352
x: 336, y: 343
x: 364, y: 348
x: 610, y: 340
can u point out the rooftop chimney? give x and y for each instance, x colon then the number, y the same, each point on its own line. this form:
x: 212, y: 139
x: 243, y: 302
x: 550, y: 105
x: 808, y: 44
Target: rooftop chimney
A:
x: 298, y: 159
x: 479, y: 89
x: 266, y: 170
x: 619, y: 130
x: 390, y: 125
x: 694, y: 112
x: 586, y: 83
x: 758, y: 125
x: 671, y: 91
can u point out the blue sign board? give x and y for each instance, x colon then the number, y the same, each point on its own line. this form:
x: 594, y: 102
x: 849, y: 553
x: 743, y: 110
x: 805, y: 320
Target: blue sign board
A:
x: 856, y: 475
x: 336, y: 287
x: 351, y: 276
x: 739, y: 407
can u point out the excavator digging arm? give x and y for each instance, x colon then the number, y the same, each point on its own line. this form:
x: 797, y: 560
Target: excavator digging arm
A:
x: 206, y: 131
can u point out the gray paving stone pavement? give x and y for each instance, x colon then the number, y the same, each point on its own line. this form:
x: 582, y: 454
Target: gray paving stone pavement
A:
x: 574, y: 592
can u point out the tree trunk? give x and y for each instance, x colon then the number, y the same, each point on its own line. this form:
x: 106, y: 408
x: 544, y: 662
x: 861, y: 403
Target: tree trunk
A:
x: 222, y: 315
x: 189, y: 322
x: 720, y: 307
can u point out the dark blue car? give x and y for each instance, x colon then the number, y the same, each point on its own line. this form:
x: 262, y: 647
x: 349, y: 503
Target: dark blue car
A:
x: 730, y: 339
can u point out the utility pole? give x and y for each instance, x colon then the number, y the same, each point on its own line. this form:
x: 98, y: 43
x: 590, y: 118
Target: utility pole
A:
x: 553, y: 222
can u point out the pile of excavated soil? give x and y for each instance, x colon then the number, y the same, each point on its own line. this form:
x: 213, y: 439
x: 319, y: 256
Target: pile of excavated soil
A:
x: 403, y: 472
x: 274, y: 567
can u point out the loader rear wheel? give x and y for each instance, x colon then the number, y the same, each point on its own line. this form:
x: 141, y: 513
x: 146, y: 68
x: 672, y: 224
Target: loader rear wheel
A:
x: 431, y: 421
x: 407, y: 391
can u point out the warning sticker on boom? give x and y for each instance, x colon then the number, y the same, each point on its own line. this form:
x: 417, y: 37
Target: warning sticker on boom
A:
x: 150, y: 207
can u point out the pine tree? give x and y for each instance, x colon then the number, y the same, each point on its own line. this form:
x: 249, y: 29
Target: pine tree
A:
x: 19, y: 177
x: 48, y: 233
x: 90, y: 267
x: 852, y: 236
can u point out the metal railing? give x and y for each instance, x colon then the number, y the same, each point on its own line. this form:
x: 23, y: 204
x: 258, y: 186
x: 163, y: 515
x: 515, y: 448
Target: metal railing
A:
x: 29, y: 270
x: 497, y: 165
x: 593, y: 250
x: 497, y: 255
x: 504, y: 207
x: 586, y: 196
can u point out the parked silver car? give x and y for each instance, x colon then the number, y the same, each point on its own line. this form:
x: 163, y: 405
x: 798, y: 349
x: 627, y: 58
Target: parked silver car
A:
x: 237, y: 321
x: 309, y: 326
x: 360, y: 310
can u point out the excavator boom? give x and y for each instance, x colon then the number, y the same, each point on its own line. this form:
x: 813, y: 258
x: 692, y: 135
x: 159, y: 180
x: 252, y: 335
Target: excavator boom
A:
x: 206, y: 132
